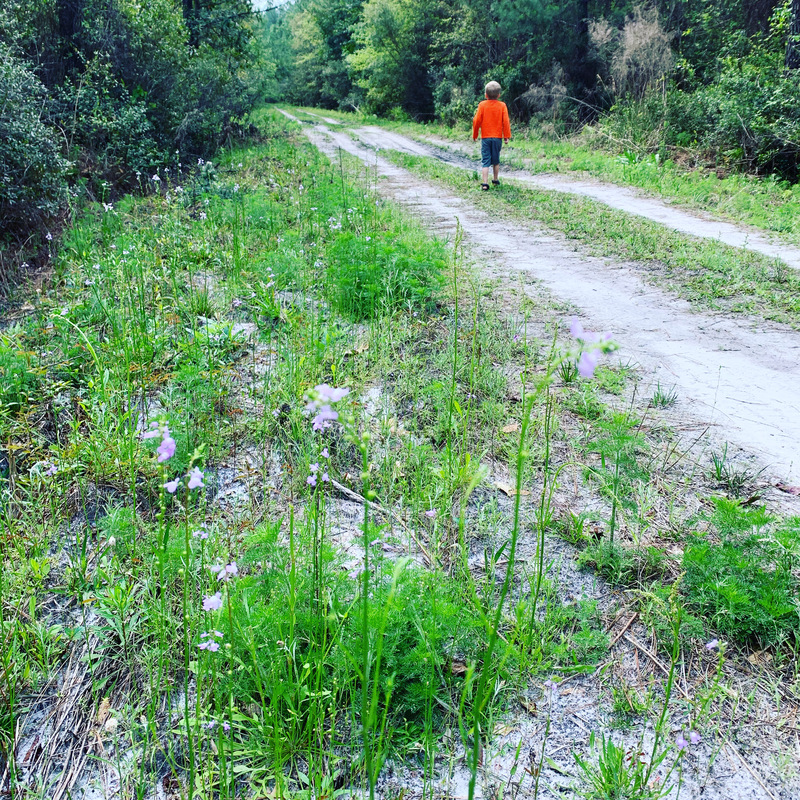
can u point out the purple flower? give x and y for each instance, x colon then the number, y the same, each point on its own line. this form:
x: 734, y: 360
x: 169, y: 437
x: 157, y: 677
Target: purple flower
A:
x: 550, y: 685
x: 694, y: 737
x: 681, y: 743
x: 200, y: 533
x: 431, y: 512
x: 324, y: 394
x: 154, y: 432
x: 311, y: 480
x: 314, y: 467
x: 325, y: 453
x: 226, y: 727
x: 212, y: 602
x: 172, y: 486
x: 712, y: 645
x: 325, y: 477
x: 167, y: 448
x: 195, y: 479
x: 226, y: 572
x: 324, y: 418
x: 209, y: 643
x: 210, y: 725
x: 588, y: 362
x: 51, y: 470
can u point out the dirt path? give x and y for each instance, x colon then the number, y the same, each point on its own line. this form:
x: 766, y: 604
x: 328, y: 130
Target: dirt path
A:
x: 738, y: 377
x: 619, y: 197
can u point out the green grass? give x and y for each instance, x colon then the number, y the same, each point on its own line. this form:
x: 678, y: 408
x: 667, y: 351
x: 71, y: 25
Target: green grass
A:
x: 342, y: 633
x: 709, y: 274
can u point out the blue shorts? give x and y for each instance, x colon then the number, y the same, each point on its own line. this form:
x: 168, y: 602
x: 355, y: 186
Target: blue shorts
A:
x: 490, y: 151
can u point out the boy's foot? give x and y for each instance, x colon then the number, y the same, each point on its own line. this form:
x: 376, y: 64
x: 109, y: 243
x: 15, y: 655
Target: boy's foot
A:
x: 495, y: 183
x: 484, y: 187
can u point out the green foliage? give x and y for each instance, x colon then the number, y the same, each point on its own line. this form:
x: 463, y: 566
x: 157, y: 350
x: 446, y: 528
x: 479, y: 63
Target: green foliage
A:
x: 746, y: 585
x: 17, y: 380
x: 367, y: 277
x: 33, y: 172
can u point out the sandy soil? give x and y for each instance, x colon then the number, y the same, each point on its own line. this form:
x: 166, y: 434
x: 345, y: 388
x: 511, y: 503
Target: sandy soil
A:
x: 467, y: 156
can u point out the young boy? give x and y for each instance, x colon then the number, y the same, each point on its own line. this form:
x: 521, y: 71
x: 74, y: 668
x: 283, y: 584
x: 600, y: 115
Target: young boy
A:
x: 491, y: 119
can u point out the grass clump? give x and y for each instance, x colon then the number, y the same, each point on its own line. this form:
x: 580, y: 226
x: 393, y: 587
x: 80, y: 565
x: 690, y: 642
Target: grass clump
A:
x: 746, y: 584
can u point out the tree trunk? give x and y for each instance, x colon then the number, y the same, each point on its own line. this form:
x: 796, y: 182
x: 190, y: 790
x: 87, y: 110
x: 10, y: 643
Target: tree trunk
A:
x: 793, y: 43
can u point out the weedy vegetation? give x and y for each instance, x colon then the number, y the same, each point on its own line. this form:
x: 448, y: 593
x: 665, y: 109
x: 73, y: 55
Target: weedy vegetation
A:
x: 254, y: 542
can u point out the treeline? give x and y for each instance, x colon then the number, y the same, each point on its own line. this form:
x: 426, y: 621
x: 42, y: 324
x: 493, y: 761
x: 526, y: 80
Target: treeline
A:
x: 97, y: 96
x: 719, y: 76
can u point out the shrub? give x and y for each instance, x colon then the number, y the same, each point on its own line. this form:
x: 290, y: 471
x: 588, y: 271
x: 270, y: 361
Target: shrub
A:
x: 33, y: 174
x: 366, y: 278
x: 746, y: 586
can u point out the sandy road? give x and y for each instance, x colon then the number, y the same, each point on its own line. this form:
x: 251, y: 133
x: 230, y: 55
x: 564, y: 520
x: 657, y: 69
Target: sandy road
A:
x: 737, y: 376
x: 618, y: 197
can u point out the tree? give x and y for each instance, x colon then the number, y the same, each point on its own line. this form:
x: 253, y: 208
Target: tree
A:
x: 793, y: 42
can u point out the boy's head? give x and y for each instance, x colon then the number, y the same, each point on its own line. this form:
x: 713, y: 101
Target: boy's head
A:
x: 492, y: 90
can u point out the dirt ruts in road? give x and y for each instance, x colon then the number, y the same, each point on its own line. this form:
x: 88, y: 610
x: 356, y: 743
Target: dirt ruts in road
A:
x: 740, y: 377
x: 618, y: 197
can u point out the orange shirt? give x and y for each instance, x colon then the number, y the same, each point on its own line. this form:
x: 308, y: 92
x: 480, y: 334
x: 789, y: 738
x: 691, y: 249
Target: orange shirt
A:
x: 491, y: 119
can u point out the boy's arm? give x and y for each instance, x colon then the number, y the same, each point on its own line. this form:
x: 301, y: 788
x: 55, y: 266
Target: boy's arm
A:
x: 477, y: 120
x: 506, y: 124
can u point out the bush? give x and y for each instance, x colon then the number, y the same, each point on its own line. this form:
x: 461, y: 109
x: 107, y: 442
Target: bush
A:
x: 33, y: 185
x: 746, y: 586
x: 366, y: 278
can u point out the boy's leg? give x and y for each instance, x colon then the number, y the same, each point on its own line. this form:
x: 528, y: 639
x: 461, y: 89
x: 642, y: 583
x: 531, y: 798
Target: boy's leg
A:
x: 485, y: 175
x: 496, y: 171
x: 486, y: 161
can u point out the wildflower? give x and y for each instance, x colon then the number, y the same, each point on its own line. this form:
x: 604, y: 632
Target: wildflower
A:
x: 49, y: 237
x: 236, y: 303
x: 325, y: 477
x: 167, y: 447
x: 108, y: 207
x: 712, y: 645
x: 324, y: 453
x: 694, y: 737
x: 240, y: 165
x: 209, y: 643
x: 235, y: 187
x: 226, y: 726
x: 431, y: 513
x: 324, y: 418
x: 311, y: 480
x: 589, y: 359
x: 369, y: 238
x: 550, y: 685
x: 324, y: 394
x: 681, y: 743
x: 156, y: 179
x: 203, y: 215
x: 51, y: 469
x: 172, y: 486
x: 314, y: 467
x: 276, y: 413
x: 195, y: 478
x: 225, y: 572
x: 212, y: 602
x: 155, y: 430
x: 210, y: 725
x: 200, y: 533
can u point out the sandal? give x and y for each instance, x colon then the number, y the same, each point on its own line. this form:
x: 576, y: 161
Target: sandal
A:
x: 484, y: 187
x: 495, y: 183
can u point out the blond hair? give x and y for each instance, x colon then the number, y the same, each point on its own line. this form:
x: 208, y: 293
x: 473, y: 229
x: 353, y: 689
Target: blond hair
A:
x: 492, y: 90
